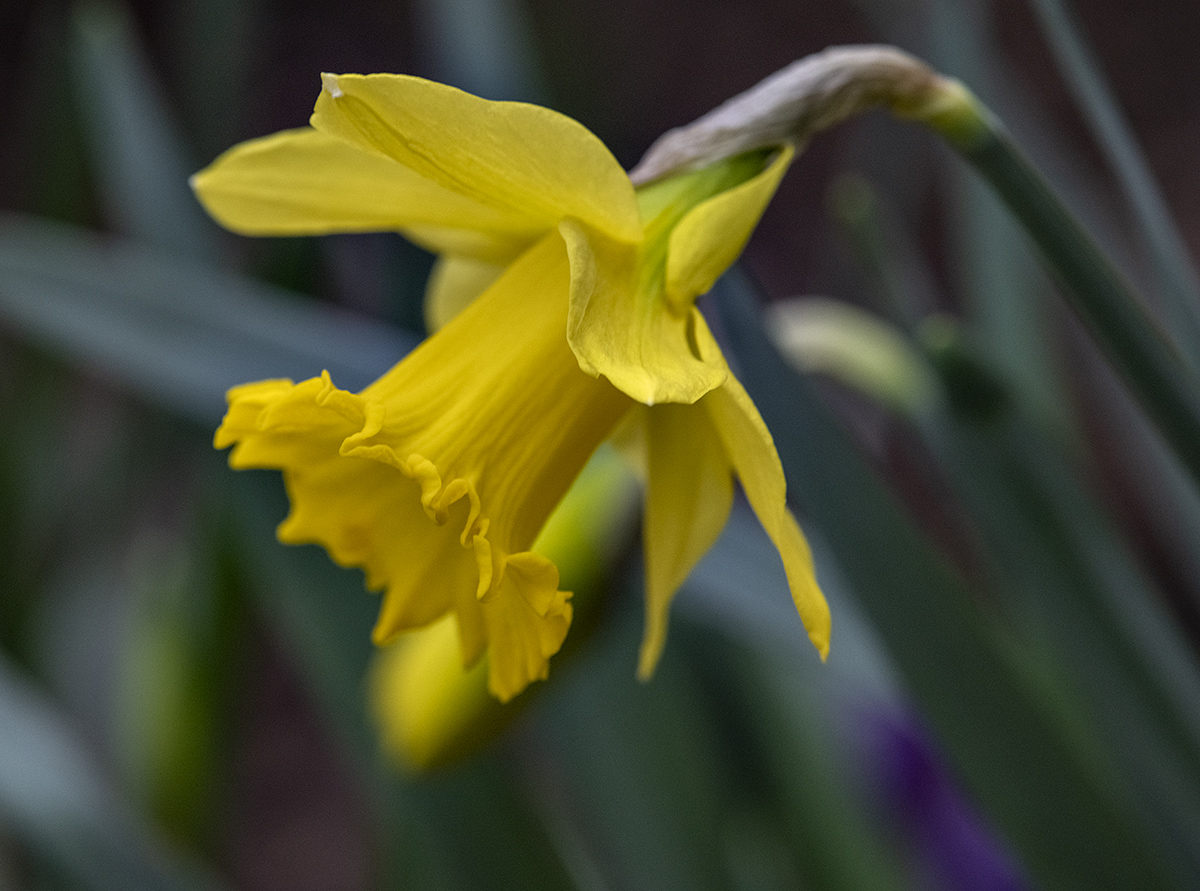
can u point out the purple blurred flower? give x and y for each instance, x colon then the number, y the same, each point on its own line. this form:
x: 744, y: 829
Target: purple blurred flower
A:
x: 950, y: 845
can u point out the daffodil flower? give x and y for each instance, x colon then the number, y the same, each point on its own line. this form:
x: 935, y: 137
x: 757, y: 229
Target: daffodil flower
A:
x: 564, y: 302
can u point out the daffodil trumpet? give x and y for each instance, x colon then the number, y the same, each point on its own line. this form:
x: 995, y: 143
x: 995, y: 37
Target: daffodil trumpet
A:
x: 430, y: 712
x: 564, y: 302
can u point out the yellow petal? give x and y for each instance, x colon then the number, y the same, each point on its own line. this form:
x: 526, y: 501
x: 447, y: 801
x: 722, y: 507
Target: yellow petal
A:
x: 485, y: 247
x: 688, y: 496
x: 507, y: 155
x: 620, y: 327
x: 246, y: 403
x: 362, y: 512
x: 453, y: 284
x: 303, y: 182
x: 527, y: 618
x: 711, y: 236
x: 752, y: 452
x: 437, y: 478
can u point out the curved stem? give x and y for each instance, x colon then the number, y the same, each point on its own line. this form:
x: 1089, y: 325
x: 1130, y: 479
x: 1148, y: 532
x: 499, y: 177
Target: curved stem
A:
x: 1116, y: 316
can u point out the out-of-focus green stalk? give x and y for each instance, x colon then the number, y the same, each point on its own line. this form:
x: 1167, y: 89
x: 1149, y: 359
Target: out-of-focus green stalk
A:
x: 1018, y: 740
x: 1156, y: 374
x: 1173, y: 273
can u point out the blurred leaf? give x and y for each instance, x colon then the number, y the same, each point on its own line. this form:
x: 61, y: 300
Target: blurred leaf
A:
x: 1067, y: 576
x: 804, y: 722
x: 1016, y: 741
x: 1165, y: 502
x: 632, y: 773
x: 1170, y: 499
x: 996, y: 271
x: 786, y: 711
x: 1114, y: 313
x: 895, y: 280
x: 1178, y: 287
x: 1006, y: 289
x: 836, y: 845
x: 212, y: 84
x: 705, y: 777
x: 740, y: 590
x: 959, y: 38
x: 476, y: 828
x: 1072, y: 585
x: 481, y: 46
x: 177, y: 332
x: 1079, y: 596
x: 180, y: 657
x: 136, y: 148
x: 51, y: 165
x: 55, y: 799
x: 323, y: 612
x: 1151, y: 475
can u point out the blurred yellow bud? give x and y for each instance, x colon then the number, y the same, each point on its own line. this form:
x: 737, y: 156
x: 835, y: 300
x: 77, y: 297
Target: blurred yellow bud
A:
x: 856, y: 348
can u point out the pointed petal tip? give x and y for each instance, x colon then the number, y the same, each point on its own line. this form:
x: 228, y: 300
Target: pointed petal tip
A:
x: 381, y: 636
x: 822, y: 648
x: 329, y: 83
x: 820, y: 637
x: 647, y: 663
x: 503, y: 694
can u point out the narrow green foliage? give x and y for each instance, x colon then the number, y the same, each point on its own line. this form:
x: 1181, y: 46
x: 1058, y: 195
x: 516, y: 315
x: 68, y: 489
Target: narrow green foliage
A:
x: 1016, y: 741
x: 1177, y: 284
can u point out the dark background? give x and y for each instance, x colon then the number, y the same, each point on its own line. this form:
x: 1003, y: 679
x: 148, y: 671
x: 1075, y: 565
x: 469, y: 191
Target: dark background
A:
x: 628, y: 70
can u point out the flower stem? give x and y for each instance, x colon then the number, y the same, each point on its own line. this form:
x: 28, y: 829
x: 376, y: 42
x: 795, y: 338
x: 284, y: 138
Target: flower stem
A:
x: 1142, y: 354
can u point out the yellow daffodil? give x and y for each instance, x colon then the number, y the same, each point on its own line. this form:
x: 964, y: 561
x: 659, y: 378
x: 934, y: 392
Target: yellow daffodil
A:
x: 565, y: 305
